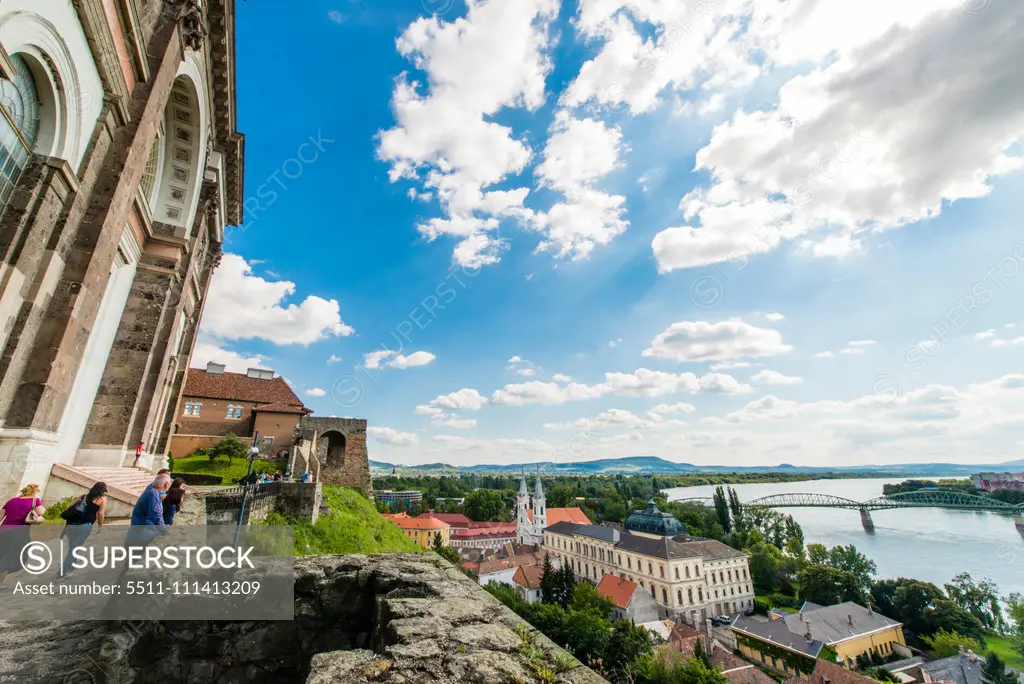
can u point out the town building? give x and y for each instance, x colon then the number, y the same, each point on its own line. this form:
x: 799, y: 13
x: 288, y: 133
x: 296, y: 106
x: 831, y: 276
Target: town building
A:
x: 532, y: 520
x: 691, y: 578
x: 631, y: 602
x: 681, y: 643
x: 215, y: 403
x: 390, y: 497
x: 526, y: 581
x: 122, y: 166
x: 988, y: 482
x: 651, y: 522
x: 423, y: 531
x: 826, y: 672
x: 790, y: 644
x: 502, y: 570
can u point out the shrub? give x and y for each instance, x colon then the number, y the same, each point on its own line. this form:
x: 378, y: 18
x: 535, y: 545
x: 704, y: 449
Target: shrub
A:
x: 200, y: 452
x: 54, y: 510
x: 197, y: 479
x: 762, y: 604
x: 231, y: 446
x: 170, y: 461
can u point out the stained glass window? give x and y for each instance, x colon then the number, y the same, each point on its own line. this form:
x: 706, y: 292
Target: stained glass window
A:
x: 19, y: 125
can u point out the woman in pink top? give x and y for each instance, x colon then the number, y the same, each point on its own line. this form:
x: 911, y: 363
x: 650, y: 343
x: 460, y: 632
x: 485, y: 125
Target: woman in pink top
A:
x: 14, y: 531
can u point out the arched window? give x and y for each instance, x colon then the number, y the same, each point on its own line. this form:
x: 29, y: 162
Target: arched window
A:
x: 19, y: 125
x: 679, y: 596
x: 700, y: 594
x: 687, y: 572
x: 689, y: 596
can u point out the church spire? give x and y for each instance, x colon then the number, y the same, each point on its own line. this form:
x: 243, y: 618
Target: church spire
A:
x: 538, y: 490
x: 522, y: 482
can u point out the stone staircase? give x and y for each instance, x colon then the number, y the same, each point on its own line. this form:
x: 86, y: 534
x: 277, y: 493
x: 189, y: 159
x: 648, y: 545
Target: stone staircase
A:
x: 124, y: 485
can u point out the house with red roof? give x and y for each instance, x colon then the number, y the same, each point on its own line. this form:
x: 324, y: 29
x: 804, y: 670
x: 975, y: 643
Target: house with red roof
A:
x: 527, y: 582
x: 632, y: 602
x: 215, y: 403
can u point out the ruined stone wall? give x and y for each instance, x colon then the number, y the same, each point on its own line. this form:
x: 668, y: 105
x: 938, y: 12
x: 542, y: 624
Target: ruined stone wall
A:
x: 409, y: 618
x: 350, y: 469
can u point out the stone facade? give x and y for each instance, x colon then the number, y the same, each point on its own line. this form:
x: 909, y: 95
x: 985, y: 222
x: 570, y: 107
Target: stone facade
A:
x: 409, y: 618
x: 334, y: 450
x: 290, y: 499
x: 112, y: 227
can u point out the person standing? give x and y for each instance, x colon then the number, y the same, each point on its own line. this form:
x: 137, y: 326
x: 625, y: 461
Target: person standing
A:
x: 80, y: 517
x: 138, y: 455
x: 173, y: 500
x: 148, y: 514
x: 15, y: 532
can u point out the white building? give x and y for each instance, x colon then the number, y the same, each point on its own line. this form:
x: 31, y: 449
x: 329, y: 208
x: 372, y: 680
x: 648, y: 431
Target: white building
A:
x: 689, y: 577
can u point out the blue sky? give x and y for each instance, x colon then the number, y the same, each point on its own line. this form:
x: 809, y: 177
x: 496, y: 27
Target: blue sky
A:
x: 739, y: 233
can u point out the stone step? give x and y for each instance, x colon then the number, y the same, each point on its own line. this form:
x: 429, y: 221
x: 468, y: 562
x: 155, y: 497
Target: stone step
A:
x: 123, y: 484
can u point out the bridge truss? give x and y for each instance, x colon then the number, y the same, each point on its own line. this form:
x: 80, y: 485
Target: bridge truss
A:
x: 919, y: 499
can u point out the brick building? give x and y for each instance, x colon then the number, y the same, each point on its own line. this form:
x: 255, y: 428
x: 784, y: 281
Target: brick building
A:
x: 215, y: 403
x: 121, y: 167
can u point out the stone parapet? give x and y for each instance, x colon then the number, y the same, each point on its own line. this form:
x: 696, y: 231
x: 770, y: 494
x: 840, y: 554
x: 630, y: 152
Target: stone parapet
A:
x: 384, y: 618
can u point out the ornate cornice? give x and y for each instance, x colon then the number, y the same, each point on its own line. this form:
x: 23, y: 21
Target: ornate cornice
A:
x: 230, y: 143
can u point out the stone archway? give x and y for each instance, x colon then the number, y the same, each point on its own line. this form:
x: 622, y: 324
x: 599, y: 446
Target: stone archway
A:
x: 331, y: 449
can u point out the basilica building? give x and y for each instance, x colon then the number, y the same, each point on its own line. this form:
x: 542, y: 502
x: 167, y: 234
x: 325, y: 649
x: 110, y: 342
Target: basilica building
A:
x: 120, y: 166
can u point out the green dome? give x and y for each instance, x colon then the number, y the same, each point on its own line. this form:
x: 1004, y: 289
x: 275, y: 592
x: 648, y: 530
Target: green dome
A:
x: 652, y: 521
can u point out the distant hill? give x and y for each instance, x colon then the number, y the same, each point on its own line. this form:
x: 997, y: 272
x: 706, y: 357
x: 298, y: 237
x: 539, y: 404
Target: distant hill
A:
x: 653, y: 465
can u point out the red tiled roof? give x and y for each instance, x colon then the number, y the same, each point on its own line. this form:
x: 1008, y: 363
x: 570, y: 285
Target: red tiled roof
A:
x: 617, y: 589
x: 474, y: 525
x: 281, y: 407
x: 528, y: 576
x: 408, y: 523
x: 498, y: 564
x: 498, y: 530
x: 238, y: 386
x: 456, y: 520
x: 824, y: 671
x: 557, y: 515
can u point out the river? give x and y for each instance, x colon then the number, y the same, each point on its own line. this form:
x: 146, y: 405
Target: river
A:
x: 931, y: 544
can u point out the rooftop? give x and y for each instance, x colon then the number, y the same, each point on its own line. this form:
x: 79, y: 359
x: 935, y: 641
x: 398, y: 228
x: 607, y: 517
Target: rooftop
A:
x: 652, y: 521
x: 281, y: 407
x: 239, y: 387
x: 836, y: 623
x: 826, y: 672
x: 404, y: 522
x: 776, y: 632
x: 619, y: 590
x: 662, y: 547
x: 453, y: 519
x: 963, y: 668
x: 556, y: 515
x: 493, y: 565
x: 528, y: 576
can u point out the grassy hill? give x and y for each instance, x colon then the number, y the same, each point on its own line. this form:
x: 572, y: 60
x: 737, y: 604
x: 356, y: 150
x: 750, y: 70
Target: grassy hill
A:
x: 229, y: 473
x: 353, y: 526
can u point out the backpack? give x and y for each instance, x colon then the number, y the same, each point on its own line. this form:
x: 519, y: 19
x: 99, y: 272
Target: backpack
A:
x: 75, y: 511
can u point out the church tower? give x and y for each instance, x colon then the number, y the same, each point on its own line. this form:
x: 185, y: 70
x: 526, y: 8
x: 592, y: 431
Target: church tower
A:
x: 524, y: 528
x: 540, y: 516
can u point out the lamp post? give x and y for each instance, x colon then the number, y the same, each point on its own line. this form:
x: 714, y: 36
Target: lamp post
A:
x: 254, y: 451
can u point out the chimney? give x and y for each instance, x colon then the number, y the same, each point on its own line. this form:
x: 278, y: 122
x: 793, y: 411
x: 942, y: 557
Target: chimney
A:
x: 849, y: 618
x: 260, y: 374
x: 807, y: 634
x: 215, y: 368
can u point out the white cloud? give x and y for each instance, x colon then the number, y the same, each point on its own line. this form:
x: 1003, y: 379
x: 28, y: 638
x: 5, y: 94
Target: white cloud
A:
x: 386, y: 358
x: 465, y: 399
x: 445, y: 127
x: 770, y: 377
x: 774, y: 317
x: 244, y: 306
x: 615, y: 342
x: 387, y: 435
x: 694, y: 341
x: 985, y: 334
x: 315, y: 392
x: 852, y: 351
x: 527, y: 372
x: 333, y: 358
x: 206, y: 351
x: 824, y: 355
x: 452, y: 421
x: 1008, y: 343
x: 822, y: 161
x: 681, y: 407
x: 862, y: 343
x: 558, y: 377
x: 336, y: 16
x: 928, y: 346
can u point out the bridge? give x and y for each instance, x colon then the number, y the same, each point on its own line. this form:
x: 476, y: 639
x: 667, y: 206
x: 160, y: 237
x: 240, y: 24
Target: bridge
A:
x: 933, y: 498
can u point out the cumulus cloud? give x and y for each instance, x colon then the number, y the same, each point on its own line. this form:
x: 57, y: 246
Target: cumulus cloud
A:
x: 244, y: 306
x: 387, y: 435
x: 695, y: 341
x: 465, y: 399
x: 315, y: 392
x: 818, y: 168
x: 386, y: 358
x: 770, y: 377
x: 207, y: 350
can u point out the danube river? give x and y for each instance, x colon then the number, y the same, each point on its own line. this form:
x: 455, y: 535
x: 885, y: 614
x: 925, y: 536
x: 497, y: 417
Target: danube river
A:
x: 929, y: 543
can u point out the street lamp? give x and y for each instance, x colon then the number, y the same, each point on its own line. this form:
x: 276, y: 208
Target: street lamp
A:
x: 254, y: 451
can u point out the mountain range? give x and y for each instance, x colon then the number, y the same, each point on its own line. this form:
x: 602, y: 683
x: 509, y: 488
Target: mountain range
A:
x: 653, y: 465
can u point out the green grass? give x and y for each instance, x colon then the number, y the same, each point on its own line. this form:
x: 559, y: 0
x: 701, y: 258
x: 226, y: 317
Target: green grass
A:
x: 353, y: 526
x: 1003, y: 647
x: 230, y: 474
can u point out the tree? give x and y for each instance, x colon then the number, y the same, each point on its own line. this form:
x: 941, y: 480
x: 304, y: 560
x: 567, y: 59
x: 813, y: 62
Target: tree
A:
x: 651, y: 669
x: 560, y: 496
x: 628, y: 642
x: 700, y: 654
x: 849, y: 559
x: 765, y: 565
x: 817, y: 554
x: 589, y: 634
x: 484, y: 505
x: 722, y: 509
x: 943, y: 643
x: 880, y: 674
x: 994, y: 671
x: 382, y: 506
x: 737, y: 510
x: 828, y: 586
x: 616, y: 512
x: 944, y: 614
x: 906, y: 600
x: 438, y: 540
x: 449, y: 554
x: 230, y: 447
x: 548, y: 582
x: 565, y: 582
x: 980, y: 599
x: 794, y: 538
x: 585, y: 597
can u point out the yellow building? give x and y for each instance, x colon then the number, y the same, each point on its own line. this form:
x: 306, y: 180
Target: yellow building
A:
x: 423, y: 531
x: 790, y: 643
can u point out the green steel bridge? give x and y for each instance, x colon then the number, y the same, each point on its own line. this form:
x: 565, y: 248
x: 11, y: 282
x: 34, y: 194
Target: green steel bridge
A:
x: 957, y: 501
